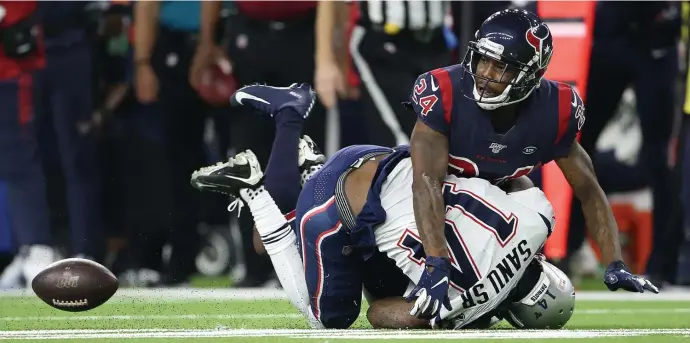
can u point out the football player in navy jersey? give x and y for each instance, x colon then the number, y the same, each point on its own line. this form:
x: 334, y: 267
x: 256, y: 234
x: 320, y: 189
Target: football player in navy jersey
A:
x: 353, y: 231
x: 495, y: 117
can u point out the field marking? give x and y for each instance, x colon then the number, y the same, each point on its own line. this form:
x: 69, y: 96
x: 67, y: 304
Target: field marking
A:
x: 196, y: 294
x: 156, y: 317
x: 334, y: 334
x: 293, y: 315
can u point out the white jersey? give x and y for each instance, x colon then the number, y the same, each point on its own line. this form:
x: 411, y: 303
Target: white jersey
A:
x: 492, y: 237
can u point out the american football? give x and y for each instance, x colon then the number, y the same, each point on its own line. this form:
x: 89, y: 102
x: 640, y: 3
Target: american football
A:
x: 75, y: 285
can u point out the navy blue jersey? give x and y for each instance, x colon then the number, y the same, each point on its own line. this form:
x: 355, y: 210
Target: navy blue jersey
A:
x: 546, y: 126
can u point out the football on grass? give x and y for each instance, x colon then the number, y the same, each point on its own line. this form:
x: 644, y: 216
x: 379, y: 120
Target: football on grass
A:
x: 75, y: 285
x: 218, y: 84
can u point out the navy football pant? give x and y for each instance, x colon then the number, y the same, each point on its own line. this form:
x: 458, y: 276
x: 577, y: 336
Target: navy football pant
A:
x: 65, y: 101
x: 683, y: 237
x: 20, y: 164
x: 653, y: 81
x: 6, y: 239
x: 334, y: 272
x: 253, y: 50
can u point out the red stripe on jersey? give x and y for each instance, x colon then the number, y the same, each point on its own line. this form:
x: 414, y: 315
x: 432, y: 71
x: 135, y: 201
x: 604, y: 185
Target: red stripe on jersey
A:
x: 565, y: 99
x: 446, y: 87
x: 290, y: 216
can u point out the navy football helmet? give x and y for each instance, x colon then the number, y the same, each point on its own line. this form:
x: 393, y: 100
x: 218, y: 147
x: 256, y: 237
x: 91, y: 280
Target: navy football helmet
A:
x: 514, y: 48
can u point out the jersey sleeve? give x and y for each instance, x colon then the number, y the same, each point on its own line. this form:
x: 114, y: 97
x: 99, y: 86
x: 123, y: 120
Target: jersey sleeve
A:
x: 432, y: 99
x: 571, y: 118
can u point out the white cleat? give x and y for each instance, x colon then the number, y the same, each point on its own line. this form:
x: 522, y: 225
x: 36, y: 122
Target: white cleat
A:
x: 310, y: 158
x: 239, y: 172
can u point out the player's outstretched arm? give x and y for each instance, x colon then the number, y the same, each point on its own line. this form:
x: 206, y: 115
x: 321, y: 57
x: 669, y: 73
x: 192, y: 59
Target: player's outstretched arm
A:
x: 578, y: 170
x: 429, y: 149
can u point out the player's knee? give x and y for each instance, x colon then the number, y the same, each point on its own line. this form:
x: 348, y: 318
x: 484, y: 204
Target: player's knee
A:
x: 339, y: 321
x: 338, y: 314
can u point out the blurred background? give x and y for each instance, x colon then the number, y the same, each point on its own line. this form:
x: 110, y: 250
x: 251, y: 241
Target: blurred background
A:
x: 106, y: 108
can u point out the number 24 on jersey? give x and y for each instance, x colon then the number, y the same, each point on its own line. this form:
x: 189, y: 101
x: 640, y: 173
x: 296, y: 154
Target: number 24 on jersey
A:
x: 426, y: 102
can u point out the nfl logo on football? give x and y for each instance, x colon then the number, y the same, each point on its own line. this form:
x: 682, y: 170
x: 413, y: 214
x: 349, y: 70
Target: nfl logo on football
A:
x: 496, y: 148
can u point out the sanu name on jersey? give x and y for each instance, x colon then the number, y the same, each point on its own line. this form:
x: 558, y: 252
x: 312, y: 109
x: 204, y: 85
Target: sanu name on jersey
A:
x: 499, y: 277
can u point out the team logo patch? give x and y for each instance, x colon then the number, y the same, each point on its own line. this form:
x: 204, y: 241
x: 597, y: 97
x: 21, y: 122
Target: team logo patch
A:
x: 535, y: 37
x: 347, y: 250
x: 496, y: 147
x: 529, y: 150
x: 611, y: 279
x: 561, y: 285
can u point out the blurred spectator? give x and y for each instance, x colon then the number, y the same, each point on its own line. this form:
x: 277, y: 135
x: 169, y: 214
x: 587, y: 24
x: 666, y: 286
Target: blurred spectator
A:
x: 468, y: 15
x: 166, y: 35
x: 65, y: 93
x: 270, y: 42
x: 135, y: 206
x: 683, y: 163
x: 393, y: 42
x: 21, y: 56
x: 634, y: 45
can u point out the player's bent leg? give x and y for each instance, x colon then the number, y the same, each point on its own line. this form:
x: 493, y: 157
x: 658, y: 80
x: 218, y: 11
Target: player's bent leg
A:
x: 289, y: 106
x: 331, y: 268
x: 280, y: 242
x: 241, y: 177
x: 382, y: 278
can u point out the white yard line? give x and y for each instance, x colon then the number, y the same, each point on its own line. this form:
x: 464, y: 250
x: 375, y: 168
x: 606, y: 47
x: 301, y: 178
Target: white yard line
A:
x: 155, y: 317
x: 333, y: 334
x: 294, y: 315
x: 197, y: 294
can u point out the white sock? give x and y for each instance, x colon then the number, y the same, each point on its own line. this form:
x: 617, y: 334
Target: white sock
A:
x: 280, y: 242
x: 307, y: 173
x: 267, y: 215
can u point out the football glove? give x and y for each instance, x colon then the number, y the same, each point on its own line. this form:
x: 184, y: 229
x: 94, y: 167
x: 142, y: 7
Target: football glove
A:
x: 617, y: 276
x: 432, y: 290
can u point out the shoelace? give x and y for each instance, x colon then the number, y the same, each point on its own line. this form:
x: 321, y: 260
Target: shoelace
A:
x: 236, y: 204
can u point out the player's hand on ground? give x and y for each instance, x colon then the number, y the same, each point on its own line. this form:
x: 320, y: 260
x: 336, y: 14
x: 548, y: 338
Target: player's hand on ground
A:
x: 617, y: 277
x: 432, y: 290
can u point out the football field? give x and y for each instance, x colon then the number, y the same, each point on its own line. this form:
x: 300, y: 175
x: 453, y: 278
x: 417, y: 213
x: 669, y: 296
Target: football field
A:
x: 234, y: 315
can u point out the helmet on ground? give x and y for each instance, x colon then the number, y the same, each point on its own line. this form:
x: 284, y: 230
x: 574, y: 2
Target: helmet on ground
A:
x: 548, y: 305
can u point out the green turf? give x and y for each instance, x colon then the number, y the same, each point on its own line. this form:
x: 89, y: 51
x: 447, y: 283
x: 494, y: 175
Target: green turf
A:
x: 211, y: 317
x: 643, y: 339
x: 201, y: 281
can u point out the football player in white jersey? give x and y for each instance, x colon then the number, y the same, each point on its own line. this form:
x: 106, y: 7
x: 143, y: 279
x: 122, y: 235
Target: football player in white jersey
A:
x: 493, y: 236
x: 358, y: 206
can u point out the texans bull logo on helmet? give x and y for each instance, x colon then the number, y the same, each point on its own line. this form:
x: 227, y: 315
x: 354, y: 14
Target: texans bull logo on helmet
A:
x: 535, y: 37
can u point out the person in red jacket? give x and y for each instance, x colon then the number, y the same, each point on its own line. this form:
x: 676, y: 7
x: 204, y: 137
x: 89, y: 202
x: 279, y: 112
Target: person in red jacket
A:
x: 21, y: 54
